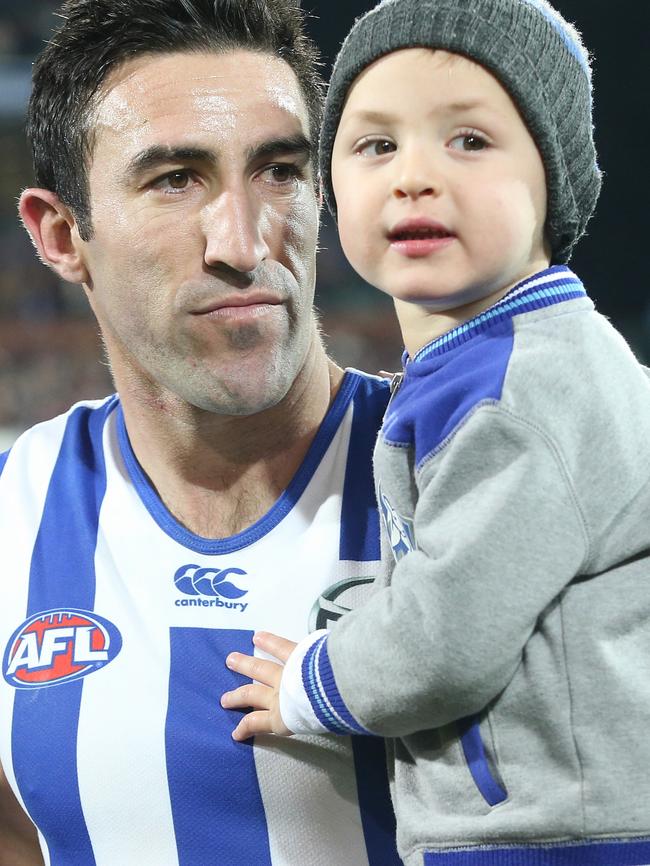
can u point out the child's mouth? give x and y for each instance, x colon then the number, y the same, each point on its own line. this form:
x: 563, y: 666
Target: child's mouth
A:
x: 419, y: 237
x: 418, y: 234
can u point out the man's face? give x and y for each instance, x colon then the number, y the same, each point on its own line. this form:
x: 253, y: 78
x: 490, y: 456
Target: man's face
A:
x: 205, y: 219
x: 440, y: 188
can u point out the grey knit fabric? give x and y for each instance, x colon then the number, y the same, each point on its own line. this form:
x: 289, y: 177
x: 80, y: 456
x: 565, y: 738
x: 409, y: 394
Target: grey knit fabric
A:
x: 536, y: 55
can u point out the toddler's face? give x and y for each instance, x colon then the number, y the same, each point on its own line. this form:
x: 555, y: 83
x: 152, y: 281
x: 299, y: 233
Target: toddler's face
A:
x: 440, y: 189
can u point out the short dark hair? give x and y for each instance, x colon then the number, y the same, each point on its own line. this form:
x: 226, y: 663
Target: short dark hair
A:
x: 97, y: 36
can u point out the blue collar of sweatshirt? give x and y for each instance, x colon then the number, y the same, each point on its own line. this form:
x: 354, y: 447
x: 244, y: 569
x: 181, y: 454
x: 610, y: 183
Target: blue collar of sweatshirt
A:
x: 551, y: 286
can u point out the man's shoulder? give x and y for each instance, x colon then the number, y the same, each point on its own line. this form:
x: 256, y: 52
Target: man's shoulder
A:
x: 370, y: 381
x: 369, y: 396
x: 47, y: 436
x: 367, y: 388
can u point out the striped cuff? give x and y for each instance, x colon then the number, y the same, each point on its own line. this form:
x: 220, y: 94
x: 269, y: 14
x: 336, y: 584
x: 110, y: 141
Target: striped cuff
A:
x: 295, y: 708
x: 321, y: 689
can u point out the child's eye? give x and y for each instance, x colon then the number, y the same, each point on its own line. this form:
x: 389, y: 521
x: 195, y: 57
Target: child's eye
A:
x: 469, y: 142
x: 375, y: 147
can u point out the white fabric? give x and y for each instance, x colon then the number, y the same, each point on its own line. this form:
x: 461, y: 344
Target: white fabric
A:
x: 295, y: 707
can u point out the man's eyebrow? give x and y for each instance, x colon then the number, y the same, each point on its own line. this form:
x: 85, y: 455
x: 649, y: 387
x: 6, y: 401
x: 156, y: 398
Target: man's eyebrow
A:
x: 159, y: 154
x: 295, y: 145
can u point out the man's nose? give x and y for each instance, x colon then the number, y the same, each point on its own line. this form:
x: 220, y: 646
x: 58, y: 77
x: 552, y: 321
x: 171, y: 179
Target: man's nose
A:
x: 416, y: 174
x: 234, y: 231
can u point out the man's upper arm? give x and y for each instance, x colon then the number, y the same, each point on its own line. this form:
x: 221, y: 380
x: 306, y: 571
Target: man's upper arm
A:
x: 18, y: 838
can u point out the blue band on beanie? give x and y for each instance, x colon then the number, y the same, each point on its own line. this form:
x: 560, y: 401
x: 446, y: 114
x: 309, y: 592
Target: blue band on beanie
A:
x: 573, y: 47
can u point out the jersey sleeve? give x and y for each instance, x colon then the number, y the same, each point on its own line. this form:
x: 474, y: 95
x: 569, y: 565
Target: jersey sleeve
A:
x: 499, y: 534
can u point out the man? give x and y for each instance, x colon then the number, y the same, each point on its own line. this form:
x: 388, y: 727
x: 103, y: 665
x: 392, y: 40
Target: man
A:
x: 227, y: 486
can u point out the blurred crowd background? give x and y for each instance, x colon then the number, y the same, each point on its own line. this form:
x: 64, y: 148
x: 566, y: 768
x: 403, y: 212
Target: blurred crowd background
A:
x: 50, y: 354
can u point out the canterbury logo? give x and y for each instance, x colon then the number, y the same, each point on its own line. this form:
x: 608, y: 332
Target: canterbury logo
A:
x: 210, y: 582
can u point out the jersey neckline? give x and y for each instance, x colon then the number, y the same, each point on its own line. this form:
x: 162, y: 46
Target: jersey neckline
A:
x: 197, y: 543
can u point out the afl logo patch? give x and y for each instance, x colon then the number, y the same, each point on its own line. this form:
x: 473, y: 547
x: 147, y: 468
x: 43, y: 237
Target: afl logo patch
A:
x: 59, y: 646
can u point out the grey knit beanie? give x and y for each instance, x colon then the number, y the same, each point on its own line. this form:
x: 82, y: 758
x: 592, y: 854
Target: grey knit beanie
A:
x: 536, y: 55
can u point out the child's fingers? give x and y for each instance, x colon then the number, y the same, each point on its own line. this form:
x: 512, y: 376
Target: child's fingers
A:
x: 253, y: 723
x: 276, y: 646
x: 260, y: 722
x: 258, y: 669
x: 250, y: 695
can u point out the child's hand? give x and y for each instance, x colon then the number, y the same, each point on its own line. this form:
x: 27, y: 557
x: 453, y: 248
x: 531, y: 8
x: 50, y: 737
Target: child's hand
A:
x: 262, y: 696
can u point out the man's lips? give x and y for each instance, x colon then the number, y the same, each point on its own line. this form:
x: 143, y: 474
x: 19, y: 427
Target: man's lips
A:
x: 419, y: 236
x: 240, y: 303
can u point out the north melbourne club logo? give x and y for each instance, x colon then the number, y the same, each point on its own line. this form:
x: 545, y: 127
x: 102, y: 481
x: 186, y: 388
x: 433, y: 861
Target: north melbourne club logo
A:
x: 59, y: 646
x: 399, y: 529
x: 209, y: 587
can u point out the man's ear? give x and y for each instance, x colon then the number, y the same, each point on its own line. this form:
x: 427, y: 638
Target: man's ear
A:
x: 53, y: 231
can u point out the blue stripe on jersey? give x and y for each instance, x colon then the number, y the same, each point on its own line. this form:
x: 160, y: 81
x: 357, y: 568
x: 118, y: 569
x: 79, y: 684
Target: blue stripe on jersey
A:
x: 377, y: 816
x: 359, y: 514
x: 208, y: 771
x: 3, y: 460
x: 597, y: 853
x: 44, y: 730
x: 272, y: 518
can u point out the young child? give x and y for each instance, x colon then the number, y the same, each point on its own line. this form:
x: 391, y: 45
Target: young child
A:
x: 508, y: 661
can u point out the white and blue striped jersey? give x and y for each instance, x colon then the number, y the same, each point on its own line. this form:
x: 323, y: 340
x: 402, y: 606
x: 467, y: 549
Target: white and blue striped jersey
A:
x: 114, y: 627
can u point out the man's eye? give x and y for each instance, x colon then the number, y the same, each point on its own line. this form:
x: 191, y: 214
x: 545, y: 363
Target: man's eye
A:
x: 176, y: 181
x: 376, y: 147
x: 282, y: 174
x: 179, y: 180
x: 468, y: 142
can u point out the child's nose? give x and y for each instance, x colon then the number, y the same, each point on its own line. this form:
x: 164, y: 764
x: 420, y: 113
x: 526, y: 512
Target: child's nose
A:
x: 416, y: 176
x: 412, y: 190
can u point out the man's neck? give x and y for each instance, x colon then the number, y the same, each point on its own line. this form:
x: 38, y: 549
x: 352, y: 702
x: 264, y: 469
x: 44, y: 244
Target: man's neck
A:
x: 220, y: 474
